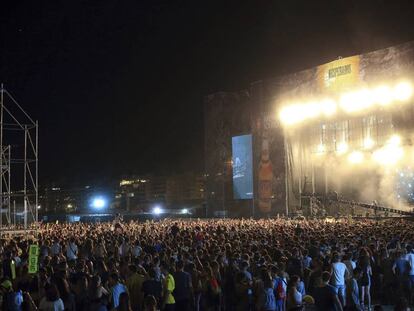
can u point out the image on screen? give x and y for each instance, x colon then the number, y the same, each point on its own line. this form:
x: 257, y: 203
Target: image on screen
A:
x: 242, y: 167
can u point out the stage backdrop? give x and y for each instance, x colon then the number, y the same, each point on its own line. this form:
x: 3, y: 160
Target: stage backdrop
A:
x: 242, y: 158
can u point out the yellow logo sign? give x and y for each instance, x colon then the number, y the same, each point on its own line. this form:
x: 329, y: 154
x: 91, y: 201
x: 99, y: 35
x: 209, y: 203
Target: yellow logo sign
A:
x: 339, y: 75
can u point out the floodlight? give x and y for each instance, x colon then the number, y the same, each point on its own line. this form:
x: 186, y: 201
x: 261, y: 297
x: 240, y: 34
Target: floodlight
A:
x: 368, y: 143
x: 389, y: 155
x: 403, y: 91
x: 356, y: 101
x: 342, y: 148
x: 356, y: 157
x: 382, y: 95
x: 157, y: 210
x: 328, y: 107
x: 321, y: 148
x: 184, y: 211
x: 395, y: 140
x: 98, y: 202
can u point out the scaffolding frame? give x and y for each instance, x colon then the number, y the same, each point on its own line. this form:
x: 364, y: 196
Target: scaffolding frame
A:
x: 13, y: 118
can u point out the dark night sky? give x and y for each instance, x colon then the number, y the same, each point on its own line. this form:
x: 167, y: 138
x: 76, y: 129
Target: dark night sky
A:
x: 118, y: 86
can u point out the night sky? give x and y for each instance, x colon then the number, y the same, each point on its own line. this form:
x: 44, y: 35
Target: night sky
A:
x: 118, y: 86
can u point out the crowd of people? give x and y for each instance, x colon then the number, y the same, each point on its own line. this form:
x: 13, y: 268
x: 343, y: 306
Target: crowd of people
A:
x: 226, y: 265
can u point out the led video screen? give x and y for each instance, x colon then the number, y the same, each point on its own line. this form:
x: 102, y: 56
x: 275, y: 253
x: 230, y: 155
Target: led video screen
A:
x: 242, y: 167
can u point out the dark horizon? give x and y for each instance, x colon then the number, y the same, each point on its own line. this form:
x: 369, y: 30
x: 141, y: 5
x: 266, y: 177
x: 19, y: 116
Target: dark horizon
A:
x: 118, y: 88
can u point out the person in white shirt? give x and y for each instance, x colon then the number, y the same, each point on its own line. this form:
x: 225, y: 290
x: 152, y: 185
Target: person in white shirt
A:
x: 339, y: 274
x: 349, y: 263
x: 72, y: 250
x: 124, y: 248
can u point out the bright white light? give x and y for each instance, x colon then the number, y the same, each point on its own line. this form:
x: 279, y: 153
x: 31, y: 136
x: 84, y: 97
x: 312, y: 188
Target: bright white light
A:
x: 157, y: 210
x: 356, y: 101
x: 351, y: 102
x: 342, y: 148
x: 403, y: 91
x: 389, y: 155
x: 98, y: 203
x: 328, y: 107
x: 38, y: 207
x: 184, y: 211
x: 292, y: 114
x: 368, y: 143
x: 296, y: 113
x: 356, y: 157
x: 321, y: 148
x: 395, y: 140
x: 382, y: 95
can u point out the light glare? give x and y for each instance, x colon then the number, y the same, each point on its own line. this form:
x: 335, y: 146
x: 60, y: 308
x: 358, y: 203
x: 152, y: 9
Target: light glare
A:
x: 321, y: 148
x: 395, y: 140
x: 356, y: 101
x: 368, y: 143
x: 350, y: 102
x: 388, y: 155
x: 342, y: 148
x: 157, y: 210
x: 328, y: 107
x: 403, y: 91
x: 98, y: 203
x: 356, y: 157
x: 382, y: 95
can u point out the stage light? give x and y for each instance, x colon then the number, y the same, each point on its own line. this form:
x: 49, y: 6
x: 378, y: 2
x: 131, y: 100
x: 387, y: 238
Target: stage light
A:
x: 296, y: 113
x: 98, y: 202
x: 291, y: 114
x: 342, y: 148
x: 356, y: 157
x: 321, y: 148
x: 184, y: 211
x: 351, y: 102
x: 389, y: 155
x: 356, y: 101
x: 368, y: 143
x: 382, y: 95
x: 395, y: 140
x: 328, y: 107
x: 403, y: 91
x: 157, y: 210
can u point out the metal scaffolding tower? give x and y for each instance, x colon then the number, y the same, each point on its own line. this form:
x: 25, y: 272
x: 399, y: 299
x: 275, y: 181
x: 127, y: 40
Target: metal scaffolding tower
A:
x: 19, y: 199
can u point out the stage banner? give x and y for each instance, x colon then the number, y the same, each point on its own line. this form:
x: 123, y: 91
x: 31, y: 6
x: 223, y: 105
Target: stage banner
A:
x: 265, y: 178
x: 339, y: 75
x: 242, y: 167
x: 33, y: 259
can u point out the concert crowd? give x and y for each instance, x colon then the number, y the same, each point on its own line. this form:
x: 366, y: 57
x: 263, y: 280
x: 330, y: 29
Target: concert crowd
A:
x: 220, y: 265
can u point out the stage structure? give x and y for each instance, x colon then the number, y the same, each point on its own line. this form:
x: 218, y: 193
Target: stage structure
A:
x: 348, y: 131
x: 18, y: 164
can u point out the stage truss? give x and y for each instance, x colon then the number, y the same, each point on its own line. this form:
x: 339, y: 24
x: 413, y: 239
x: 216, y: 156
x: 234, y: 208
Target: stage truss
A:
x: 19, y: 191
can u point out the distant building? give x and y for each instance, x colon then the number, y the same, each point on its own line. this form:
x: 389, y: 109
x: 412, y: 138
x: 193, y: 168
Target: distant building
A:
x: 68, y: 200
x: 185, y: 188
x: 141, y: 193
